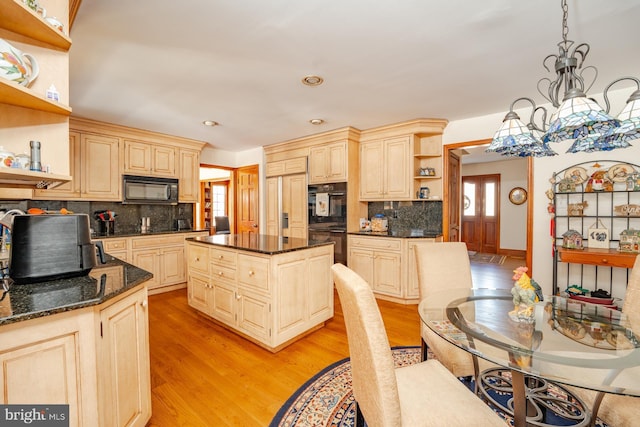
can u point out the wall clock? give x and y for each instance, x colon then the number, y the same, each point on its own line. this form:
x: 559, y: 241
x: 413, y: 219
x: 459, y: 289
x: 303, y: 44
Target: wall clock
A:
x: 518, y: 195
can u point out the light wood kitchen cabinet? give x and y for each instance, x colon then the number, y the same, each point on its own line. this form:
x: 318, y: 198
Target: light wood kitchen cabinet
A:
x: 388, y: 265
x: 142, y: 158
x: 125, y: 380
x: 95, y: 359
x: 328, y: 163
x: 392, y: 156
x: 385, y: 170
x: 287, y: 206
x: 269, y: 299
x: 95, y: 168
x: 188, y: 175
x: 286, y: 167
x: 161, y: 255
x: 51, y: 360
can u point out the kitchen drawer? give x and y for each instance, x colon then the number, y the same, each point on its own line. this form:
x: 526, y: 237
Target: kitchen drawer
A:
x: 253, y: 272
x: 114, y: 245
x: 198, y: 258
x: 221, y: 257
x: 222, y: 273
x: 161, y: 241
x: 385, y: 243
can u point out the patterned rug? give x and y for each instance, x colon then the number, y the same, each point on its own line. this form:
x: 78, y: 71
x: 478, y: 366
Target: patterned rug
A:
x: 326, y: 399
x: 486, y: 258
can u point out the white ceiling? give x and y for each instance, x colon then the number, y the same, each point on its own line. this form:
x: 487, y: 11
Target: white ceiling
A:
x: 167, y: 65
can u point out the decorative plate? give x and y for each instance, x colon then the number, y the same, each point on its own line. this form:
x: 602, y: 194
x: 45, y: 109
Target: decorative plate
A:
x: 576, y: 174
x: 619, y: 172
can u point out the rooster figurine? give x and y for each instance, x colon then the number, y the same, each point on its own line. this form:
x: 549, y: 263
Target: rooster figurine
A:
x: 526, y: 292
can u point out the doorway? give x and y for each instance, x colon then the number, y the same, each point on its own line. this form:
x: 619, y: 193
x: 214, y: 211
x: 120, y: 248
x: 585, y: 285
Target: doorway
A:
x: 452, y: 199
x: 481, y: 213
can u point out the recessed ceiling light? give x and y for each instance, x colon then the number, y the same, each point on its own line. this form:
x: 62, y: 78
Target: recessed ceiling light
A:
x: 210, y: 123
x: 312, y: 80
x: 316, y: 121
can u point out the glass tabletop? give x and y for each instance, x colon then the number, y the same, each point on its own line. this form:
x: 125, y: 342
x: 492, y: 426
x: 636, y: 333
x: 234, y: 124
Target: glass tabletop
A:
x: 566, y: 341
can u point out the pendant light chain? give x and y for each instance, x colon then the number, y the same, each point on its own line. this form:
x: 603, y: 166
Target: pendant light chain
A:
x: 565, y: 16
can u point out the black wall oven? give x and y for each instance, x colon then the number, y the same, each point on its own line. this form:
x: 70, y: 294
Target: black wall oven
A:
x: 328, y: 216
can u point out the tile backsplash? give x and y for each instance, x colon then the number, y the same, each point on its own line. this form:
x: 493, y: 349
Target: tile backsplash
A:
x: 127, y: 220
x: 405, y: 216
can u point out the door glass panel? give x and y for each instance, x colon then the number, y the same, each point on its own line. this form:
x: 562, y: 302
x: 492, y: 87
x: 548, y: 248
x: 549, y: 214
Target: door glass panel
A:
x: 490, y: 199
x: 469, y: 199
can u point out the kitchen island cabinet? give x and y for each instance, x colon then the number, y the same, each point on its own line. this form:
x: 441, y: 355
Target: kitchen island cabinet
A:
x: 63, y: 340
x: 270, y: 290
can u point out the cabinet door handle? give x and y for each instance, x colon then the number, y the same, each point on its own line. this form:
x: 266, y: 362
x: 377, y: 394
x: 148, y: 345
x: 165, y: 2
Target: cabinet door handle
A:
x: 197, y: 259
x: 144, y: 303
x: 238, y: 296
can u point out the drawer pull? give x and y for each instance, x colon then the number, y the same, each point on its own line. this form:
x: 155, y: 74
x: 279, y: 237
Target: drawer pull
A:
x: 220, y: 273
x: 251, y: 273
x: 197, y: 259
x: 220, y: 257
x: 605, y: 261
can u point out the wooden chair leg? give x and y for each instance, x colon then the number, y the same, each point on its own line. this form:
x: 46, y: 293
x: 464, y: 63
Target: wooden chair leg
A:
x: 359, y: 417
x: 423, y: 350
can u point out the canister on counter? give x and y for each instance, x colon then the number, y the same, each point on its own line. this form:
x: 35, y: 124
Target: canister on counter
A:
x: 379, y: 223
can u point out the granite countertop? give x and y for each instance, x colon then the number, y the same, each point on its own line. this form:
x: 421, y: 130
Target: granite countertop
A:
x: 404, y: 234
x: 25, y: 302
x: 260, y: 243
x: 150, y: 233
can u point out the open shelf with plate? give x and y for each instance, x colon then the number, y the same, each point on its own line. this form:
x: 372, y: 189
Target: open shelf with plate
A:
x: 594, y: 203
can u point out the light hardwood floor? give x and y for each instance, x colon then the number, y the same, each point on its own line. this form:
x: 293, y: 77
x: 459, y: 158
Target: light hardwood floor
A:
x: 205, y: 375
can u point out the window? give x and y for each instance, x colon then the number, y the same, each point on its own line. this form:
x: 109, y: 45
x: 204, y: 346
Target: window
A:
x: 219, y: 197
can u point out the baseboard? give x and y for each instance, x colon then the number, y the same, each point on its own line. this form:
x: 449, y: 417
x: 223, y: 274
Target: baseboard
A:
x: 514, y: 253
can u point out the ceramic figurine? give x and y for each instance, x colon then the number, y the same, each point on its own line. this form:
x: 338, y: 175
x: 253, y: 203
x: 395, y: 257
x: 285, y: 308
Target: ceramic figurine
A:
x: 526, y: 293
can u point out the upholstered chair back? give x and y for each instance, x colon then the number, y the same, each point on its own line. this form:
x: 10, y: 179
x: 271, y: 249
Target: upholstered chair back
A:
x: 374, y: 381
x: 631, y: 304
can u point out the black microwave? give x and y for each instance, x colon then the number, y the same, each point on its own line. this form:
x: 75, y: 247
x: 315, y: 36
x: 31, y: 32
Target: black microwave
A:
x: 149, y: 189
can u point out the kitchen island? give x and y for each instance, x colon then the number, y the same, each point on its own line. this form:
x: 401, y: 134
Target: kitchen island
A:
x: 81, y: 341
x: 270, y: 290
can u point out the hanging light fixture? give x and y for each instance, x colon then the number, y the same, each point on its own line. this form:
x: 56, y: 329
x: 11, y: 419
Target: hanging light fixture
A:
x: 577, y: 117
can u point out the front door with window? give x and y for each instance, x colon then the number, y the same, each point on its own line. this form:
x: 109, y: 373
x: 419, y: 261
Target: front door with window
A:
x: 481, y: 213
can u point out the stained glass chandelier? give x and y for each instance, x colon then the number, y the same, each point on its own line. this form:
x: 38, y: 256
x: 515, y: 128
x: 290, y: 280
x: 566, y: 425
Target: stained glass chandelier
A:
x: 577, y: 117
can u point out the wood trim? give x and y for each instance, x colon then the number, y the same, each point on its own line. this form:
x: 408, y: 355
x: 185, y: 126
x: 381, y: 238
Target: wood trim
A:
x: 124, y: 132
x: 530, y: 203
x: 74, y: 5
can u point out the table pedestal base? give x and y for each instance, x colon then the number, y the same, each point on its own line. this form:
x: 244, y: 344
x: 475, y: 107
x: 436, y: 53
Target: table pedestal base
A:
x: 536, y: 394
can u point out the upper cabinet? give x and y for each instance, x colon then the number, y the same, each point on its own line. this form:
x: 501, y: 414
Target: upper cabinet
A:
x: 141, y: 158
x: 25, y: 112
x: 397, y: 161
x: 94, y: 160
x: 188, y: 175
x: 328, y: 163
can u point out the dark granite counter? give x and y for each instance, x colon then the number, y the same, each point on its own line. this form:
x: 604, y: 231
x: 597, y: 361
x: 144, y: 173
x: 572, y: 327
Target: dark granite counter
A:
x: 260, y: 243
x: 151, y: 233
x: 25, y: 302
x: 404, y: 234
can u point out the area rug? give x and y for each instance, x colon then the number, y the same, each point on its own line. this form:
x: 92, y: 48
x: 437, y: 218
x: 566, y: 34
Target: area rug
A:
x: 486, y: 258
x: 326, y: 400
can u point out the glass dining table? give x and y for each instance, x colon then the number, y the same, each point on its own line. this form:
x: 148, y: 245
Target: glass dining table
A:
x: 565, y: 342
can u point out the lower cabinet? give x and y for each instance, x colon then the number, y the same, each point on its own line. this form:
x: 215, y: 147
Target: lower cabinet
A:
x: 269, y: 299
x: 388, y: 265
x: 161, y: 254
x: 95, y: 359
x: 123, y: 352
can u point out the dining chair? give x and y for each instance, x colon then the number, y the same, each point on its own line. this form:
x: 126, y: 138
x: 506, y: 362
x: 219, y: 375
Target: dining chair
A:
x: 222, y: 225
x: 444, y: 266
x: 423, y: 394
x: 614, y: 409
